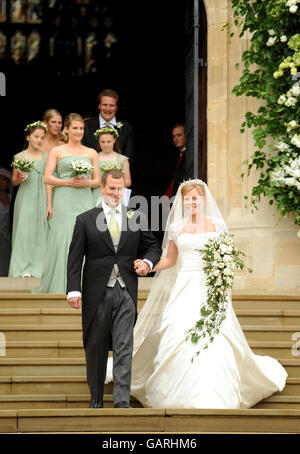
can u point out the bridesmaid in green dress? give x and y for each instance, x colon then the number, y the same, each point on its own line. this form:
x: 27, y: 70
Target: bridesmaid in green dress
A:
x: 72, y: 196
x: 30, y: 227
x: 110, y: 157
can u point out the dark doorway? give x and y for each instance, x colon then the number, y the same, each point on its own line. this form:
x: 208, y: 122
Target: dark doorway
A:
x: 146, y: 67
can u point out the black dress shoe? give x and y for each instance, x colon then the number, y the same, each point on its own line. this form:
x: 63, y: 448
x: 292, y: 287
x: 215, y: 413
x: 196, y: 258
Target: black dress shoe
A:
x: 122, y: 404
x: 96, y: 404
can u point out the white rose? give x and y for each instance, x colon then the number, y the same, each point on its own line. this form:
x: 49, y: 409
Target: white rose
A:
x: 219, y: 282
x: 227, y: 272
x: 283, y: 38
x: 293, y: 9
x: 291, y: 2
x: 216, y: 273
x: 295, y: 91
x: 281, y: 99
x: 271, y: 41
x: 271, y: 32
x: 221, y: 265
x: 226, y: 258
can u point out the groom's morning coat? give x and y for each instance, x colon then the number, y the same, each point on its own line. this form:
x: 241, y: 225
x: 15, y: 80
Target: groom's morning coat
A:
x: 100, y: 256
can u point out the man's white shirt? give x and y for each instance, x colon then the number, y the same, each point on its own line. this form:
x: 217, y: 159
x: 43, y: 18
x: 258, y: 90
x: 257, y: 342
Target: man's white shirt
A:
x: 102, y: 122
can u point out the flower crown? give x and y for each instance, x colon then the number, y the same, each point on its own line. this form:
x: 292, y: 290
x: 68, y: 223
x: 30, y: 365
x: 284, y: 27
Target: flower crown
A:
x: 111, y: 166
x: 35, y: 124
x: 106, y: 130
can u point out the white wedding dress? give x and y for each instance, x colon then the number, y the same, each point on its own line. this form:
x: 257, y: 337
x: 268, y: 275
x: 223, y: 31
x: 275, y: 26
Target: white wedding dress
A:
x: 225, y: 375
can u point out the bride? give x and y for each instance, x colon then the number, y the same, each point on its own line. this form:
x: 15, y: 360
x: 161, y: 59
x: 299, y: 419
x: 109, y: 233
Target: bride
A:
x: 166, y: 371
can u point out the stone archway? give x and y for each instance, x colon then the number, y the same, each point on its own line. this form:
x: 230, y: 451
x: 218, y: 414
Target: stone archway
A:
x: 274, y: 250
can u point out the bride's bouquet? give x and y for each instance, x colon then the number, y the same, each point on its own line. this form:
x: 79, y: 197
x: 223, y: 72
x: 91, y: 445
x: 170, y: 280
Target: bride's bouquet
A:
x: 81, y: 168
x: 23, y: 165
x: 221, y: 259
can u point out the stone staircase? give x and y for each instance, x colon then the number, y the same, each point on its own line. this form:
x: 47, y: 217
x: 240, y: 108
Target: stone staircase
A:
x: 43, y: 384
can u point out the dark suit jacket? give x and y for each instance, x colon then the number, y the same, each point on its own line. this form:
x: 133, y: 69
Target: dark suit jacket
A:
x: 100, y: 256
x: 125, y: 140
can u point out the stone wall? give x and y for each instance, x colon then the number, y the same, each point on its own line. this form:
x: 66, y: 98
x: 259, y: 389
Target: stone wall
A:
x: 273, y: 248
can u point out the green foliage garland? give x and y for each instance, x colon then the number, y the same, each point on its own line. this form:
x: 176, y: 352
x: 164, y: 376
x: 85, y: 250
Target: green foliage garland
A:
x: 271, y: 73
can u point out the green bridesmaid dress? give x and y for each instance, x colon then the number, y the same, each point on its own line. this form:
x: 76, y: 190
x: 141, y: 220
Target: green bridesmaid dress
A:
x: 30, y: 225
x: 119, y: 161
x: 68, y: 203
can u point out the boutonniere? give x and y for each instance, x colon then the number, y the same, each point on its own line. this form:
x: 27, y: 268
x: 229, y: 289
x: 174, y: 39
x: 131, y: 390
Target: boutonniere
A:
x: 130, y: 213
x: 119, y: 125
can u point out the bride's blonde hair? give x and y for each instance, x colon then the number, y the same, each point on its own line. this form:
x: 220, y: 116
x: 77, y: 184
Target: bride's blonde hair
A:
x: 188, y: 186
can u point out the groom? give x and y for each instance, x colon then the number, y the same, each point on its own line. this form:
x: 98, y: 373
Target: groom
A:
x: 108, y: 237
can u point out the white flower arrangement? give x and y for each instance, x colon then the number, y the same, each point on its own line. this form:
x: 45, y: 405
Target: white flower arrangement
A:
x: 221, y: 258
x: 23, y: 165
x: 120, y: 125
x: 81, y: 167
x: 110, y: 166
x: 287, y: 175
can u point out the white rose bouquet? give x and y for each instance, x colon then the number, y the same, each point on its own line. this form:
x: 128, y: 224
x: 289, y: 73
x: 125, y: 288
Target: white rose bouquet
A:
x: 23, y: 165
x: 221, y: 258
x: 81, y: 168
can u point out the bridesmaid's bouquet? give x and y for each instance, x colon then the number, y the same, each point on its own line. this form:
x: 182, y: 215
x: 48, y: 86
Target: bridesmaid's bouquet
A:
x: 111, y: 165
x: 23, y: 165
x: 81, y: 168
x: 221, y: 259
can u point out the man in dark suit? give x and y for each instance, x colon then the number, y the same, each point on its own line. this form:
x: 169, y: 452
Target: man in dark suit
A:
x: 108, y: 105
x: 180, y: 171
x: 108, y: 237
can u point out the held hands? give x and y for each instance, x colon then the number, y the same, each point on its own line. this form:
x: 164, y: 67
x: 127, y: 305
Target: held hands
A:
x: 141, y: 267
x: 75, y: 302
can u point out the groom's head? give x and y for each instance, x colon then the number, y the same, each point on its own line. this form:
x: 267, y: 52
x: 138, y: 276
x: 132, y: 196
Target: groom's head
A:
x: 112, y: 187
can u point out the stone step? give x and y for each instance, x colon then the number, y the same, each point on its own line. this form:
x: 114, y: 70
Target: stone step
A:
x: 44, y: 401
x: 68, y: 332
x: 150, y: 420
x: 280, y: 402
x: 47, y: 401
x: 58, y: 332
x: 284, y: 350
x: 78, y: 385
x: 37, y: 316
x: 44, y: 349
x: 240, y: 301
x: 77, y: 366
x: 42, y: 366
x: 74, y: 349
x: 271, y: 333
x: 18, y: 316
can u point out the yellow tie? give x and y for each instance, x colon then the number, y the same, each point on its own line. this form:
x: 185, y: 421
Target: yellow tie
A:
x: 113, y: 225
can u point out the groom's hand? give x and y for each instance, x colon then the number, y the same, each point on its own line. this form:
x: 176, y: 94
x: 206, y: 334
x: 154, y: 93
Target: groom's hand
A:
x: 74, y: 302
x: 141, y: 267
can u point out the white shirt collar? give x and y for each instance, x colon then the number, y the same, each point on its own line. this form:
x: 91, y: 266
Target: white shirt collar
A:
x: 102, y: 122
x: 107, y: 208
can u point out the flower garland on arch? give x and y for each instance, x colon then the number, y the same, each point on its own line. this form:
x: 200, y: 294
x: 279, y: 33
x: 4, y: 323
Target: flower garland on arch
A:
x: 271, y: 73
